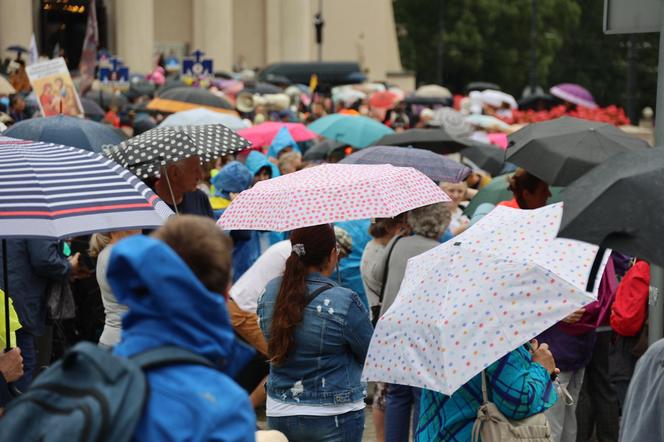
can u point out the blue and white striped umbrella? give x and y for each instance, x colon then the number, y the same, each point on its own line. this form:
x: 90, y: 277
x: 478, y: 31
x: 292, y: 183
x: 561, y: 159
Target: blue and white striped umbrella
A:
x: 54, y: 191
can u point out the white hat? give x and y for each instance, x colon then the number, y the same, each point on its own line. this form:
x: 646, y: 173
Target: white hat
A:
x: 498, y: 98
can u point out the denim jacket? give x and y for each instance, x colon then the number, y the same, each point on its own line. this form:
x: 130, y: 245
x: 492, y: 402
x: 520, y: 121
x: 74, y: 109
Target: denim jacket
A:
x: 330, y: 346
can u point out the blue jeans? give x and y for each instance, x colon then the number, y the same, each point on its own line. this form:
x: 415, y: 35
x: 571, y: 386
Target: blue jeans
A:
x: 346, y: 427
x: 400, y: 400
x: 26, y: 342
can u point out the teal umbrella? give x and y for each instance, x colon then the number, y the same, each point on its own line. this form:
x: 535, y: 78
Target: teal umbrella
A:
x: 357, y: 131
x: 498, y: 190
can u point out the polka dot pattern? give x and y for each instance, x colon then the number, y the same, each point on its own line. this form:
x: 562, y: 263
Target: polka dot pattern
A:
x: 145, y: 154
x: 470, y: 301
x: 330, y: 193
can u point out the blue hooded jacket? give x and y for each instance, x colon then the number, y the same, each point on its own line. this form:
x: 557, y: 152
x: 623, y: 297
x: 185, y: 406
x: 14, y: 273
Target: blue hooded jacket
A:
x: 282, y: 140
x: 256, y: 161
x: 168, y: 305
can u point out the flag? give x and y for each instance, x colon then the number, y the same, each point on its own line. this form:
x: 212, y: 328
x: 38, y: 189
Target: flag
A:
x: 89, y: 53
x: 313, y: 83
x: 34, y: 53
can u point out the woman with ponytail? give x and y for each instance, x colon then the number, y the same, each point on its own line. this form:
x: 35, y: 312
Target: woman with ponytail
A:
x: 318, y: 334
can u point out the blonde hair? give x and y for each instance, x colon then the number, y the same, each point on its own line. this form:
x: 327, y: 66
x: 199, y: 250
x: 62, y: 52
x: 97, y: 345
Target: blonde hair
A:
x: 98, y: 241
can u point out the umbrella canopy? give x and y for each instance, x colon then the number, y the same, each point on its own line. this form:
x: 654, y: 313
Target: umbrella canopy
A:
x: 383, y: 100
x: 17, y: 48
x: 262, y: 88
x: 92, y: 110
x: 468, y: 302
x: 435, y: 140
x: 70, y: 131
x: 452, y: 121
x: 106, y: 99
x: 614, y: 205
x: 170, y: 84
x: 146, y: 153
x: 139, y: 87
x: 488, y: 122
x: 53, y: 191
x: 354, y: 130
x: 433, y: 165
x: 195, y: 95
x: 486, y: 156
x: 561, y: 150
x: 329, y: 193
x: 574, y: 93
x: 481, y: 85
x: 498, y: 190
x: 5, y: 86
x: 433, y: 91
x: 198, y: 116
x: 322, y: 150
x: 172, y: 106
x: 262, y: 134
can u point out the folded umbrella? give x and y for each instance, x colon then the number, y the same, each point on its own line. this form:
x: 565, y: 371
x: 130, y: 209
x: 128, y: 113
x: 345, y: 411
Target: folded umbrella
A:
x: 561, y: 150
x: 354, y: 130
x: 329, y: 193
x: 70, y: 131
x: 435, y: 140
x: 261, y: 135
x: 468, y: 302
x: 146, y: 153
x: 433, y: 165
x: 614, y: 205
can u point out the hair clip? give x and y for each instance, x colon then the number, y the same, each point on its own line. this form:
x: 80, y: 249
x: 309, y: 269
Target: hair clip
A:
x: 299, y: 249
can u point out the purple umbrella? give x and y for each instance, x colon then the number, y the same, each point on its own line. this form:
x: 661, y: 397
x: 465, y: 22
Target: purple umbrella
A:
x: 574, y: 94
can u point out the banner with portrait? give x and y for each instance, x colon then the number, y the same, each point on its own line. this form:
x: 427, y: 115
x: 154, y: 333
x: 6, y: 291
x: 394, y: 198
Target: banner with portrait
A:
x: 54, y: 88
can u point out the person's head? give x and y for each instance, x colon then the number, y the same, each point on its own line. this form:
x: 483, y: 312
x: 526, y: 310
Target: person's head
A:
x: 16, y: 103
x: 290, y: 162
x: 314, y: 250
x: 202, y: 246
x: 386, y: 228
x: 48, y: 88
x: 185, y: 175
x: 59, y: 84
x: 99, y: 241
x: 264, y: 173
x: 429, y: 221
x: 529, y: 191
x: 456, y: 191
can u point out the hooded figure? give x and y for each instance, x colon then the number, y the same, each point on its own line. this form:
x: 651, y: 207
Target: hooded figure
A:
x: 256, y: 161
x: 281, y: 141
x: 169, y: 305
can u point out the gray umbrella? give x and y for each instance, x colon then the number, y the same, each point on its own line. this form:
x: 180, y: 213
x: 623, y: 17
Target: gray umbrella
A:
x: 433, y: 165
x: 561, y: 150
x: 195, y: 95
x: 613, y: 205
x: 486, y: 156
x: 322, y: 150
x: 435, y: 140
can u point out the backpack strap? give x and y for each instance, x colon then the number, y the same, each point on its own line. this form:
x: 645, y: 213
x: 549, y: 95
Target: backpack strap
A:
x: 381, y: 295
x: 169, y: 355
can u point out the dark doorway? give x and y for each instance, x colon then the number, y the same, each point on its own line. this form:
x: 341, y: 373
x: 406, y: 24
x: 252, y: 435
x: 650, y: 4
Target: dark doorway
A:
x: 63, y: 25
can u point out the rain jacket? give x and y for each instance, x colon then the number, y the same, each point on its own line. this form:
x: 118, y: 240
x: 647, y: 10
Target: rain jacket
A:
x: 282, y: 140
x: 349, y: 267
x: 168, y: 305
x: 518, y: 387
x: 630, y: 308
x: 33, y: 265
x: 256, y: 161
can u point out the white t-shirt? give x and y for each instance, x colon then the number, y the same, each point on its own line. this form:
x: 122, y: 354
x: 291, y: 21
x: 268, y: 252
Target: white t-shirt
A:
x: 275, y: 408
x: 271, y: 264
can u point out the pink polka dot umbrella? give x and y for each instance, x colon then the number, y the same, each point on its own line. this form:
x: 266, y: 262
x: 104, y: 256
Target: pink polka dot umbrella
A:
x: 330, y: 193
x: 468, y: 302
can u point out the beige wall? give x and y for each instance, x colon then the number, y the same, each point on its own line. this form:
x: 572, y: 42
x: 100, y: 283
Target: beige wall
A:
x: 213, y: 31
x: 15, y: 24
x: 134, y: 20
x: 249, y: 33
x: 173, y: 21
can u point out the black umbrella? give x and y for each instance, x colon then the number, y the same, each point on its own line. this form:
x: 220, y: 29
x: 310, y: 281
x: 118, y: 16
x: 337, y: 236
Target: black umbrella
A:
x: 614, y: 204
x: 146, y: 153
x: 561, y: 150
x: 435, y: 140
x: 195, y: 95
x: 486, y: 156
x: 428, y: 101
x: 322, y: 150
x: 481, y: 85
x: 262, y: 88
x: 170, y: 84
x: 106, y: 99
x: 139, y: 87
x: 92, y: 110
x: 18, y: 49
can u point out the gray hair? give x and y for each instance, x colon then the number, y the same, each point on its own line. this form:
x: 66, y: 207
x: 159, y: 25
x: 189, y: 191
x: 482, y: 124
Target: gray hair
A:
x: 429, y: 221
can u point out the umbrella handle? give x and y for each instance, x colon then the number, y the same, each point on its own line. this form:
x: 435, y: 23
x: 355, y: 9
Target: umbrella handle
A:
x: 590, y: 286
x: 5, y: 283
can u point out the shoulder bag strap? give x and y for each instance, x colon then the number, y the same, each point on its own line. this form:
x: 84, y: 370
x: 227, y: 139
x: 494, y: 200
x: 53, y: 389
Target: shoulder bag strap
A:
x: 381, y: 295
x: 485, y: 396
x: 313, y: 295
x: 169, y: 355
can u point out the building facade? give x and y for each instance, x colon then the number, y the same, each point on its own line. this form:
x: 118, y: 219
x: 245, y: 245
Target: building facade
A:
x: 236, y: 34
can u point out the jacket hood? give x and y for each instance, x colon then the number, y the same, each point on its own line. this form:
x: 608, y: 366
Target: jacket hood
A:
x: 282, y: 140
x: 233, y: 177
x: 168, y: 305
x: 256, y: 161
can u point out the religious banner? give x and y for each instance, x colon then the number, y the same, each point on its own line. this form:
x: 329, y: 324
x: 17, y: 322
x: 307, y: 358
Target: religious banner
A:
x: 54, y: 88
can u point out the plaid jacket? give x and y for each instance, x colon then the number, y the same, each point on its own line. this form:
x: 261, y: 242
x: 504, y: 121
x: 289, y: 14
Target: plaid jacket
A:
x: 518, y: 387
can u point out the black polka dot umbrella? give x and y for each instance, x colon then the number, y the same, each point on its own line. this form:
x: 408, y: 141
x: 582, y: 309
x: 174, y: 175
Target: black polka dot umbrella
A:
x: 146, y: 153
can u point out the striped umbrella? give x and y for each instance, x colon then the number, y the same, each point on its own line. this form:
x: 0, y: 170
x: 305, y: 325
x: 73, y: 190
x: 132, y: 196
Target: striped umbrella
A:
x: 146, y: 153
x: 54, y: 191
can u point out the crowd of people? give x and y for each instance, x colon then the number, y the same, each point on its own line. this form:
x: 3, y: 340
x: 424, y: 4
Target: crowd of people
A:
x: 288, y: 317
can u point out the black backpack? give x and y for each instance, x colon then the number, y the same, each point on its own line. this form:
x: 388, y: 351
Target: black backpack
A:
x: 88, y: 395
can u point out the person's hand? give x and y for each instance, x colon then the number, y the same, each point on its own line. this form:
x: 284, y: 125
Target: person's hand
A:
x: 575, y: 317
x: 74, y: 262
x: 543, y: 356
x: 11, y: 365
